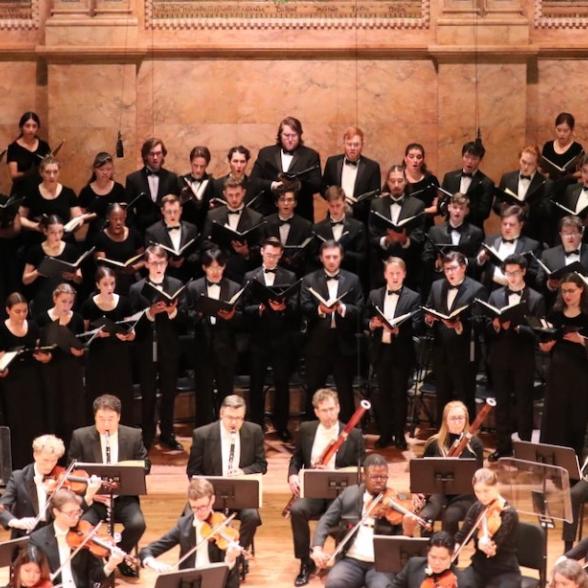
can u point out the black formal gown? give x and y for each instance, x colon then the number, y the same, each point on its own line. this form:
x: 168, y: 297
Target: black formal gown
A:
x: 561, y: 183
x: 22, y: 395
x: 27, y: 162
x: 425, y: 190
x: 98, y: 203
x: 108, y: 365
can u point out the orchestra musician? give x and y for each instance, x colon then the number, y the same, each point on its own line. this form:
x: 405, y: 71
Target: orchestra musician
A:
x: 493, y: 523
x: 451, y: 508
x: 313, y: 440
x: 85, y: 568
x: 228, y: 447
x: 30, y: 569
x: 569, y: 574
x: 193, y: 530
x: 355, y: 566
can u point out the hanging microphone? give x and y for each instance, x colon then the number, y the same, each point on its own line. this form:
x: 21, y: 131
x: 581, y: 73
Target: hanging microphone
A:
x: 120, y: 148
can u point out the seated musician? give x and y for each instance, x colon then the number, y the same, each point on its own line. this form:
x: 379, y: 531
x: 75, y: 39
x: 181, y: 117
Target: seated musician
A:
x: 451, y: 508
x: 107, y: 441
x: 568, y: 573
x: 434, y: 570
x: 30, y: 569
x: 355, y: 565
x: 314, y: 439
x: 191, y: 532
x: 493, y: 523
x: 83, y: 570
x: 24, y: 501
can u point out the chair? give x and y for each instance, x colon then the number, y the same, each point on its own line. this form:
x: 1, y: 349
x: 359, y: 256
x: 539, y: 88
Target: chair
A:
x: 531, y: 553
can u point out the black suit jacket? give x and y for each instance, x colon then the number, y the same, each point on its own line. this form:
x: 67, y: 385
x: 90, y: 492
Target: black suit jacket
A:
x: 257, y: 188
x: 554, y: 258
x: 86, y: 568
x: 480, y: 193
x: 413, y: 575
x: 183, y: 534
x: 268, y: 166
x: 194, y: 209
x: 145, y: 211
x: 353, y: 240
x: 351, y: 453
x: 206, y: 457
x: 570, y: 200
x: 470, y: 242
x: 318, y: 327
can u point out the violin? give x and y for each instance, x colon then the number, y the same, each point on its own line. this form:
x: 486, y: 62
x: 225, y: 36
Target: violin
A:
x: 76, y: 481
x: 492, y: 521
x: 224, y: 537
x: 446, y: 579
x: 395, y: 505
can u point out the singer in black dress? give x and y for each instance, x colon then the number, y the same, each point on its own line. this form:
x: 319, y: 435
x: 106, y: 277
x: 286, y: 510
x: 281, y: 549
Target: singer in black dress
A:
x: 20, y: 382
x: 108, y: 366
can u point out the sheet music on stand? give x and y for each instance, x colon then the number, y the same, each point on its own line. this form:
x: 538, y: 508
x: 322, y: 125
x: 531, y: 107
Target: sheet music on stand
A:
x: 327, y: 484
x: 5, y: 456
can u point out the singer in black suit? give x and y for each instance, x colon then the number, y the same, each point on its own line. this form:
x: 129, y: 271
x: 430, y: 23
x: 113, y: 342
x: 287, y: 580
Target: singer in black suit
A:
x: 227, y: 447
x: 313, y: 440
x: 407, y: 243
x: 331, y: 343
x: 472, y: 182
x: 455, y: 351
x: 157, y: 346
x: 272, y: 325
x: 353, y: 171
x: 575, y: 197
x: 174, y: 233
x: 512, y: 356
x: 242, y: 255
x: 290, y: 155
x: 215, y: 353
x: 153, y: 181
x: 392, y: 352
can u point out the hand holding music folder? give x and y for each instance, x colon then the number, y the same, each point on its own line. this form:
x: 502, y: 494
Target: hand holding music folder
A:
x: 60, y: 336
x: 9, y: 208
x: 302, y: 172
x: 353, y: 200
x: 508, y: 195
x: 211, y: 306
x: 545, y: 331
x: 177, y: 253
x: 331, y: 302
x: 394, y: 323
x: 558, y: 274
x: 511, y: 312
x: 263, y: 294
x: 577, y: 212
x: 397, y: 227
x: 557, y: 171
x: 120, y: 265
x: 296, y: 249
x: 155, y: 294
x: 51, y: 267
x: 9, y: 356
x: 223, y: 235
x: 451, y: 317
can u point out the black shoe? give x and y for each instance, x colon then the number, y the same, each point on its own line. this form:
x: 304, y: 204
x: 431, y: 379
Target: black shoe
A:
x: 496, y: 455
x: 284, y: 435
x: 307, y: 568
x: 170, y: 442
x: 383, y: 442
x: 400, y: 443
x: 127, y: 571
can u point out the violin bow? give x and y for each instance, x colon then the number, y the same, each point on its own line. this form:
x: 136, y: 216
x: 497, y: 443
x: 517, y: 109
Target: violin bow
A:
x: 470, y: 534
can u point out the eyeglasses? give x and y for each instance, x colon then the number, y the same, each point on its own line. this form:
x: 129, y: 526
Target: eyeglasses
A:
x: 377, y: 476
x: 72, y: 514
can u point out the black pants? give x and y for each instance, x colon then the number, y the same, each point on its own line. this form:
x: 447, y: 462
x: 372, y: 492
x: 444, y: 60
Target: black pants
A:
x: 579, y: 495
x: 302, y: 511
x: 477, y: 580
x: 450, y: 509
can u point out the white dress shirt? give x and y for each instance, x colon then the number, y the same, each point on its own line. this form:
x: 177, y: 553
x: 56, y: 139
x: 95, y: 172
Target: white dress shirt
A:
x: 153, y: 181
x: 227, y: 439
x: 348, y: 177
x: 113, y: 442
x: 175, y: 236
x: 269, y: 278
x: 284, y: 229
x: 362, y: 547
x: 523, y: 186
x: 338, y: 228
x: 465, y: 183
x: 198, y: 187
x: 67, y: 579
x: 390, y: 302
x: 286, y: 160
x: 582, y: 200
x: 233, y: 219
x: 213, y: 291
x: 202, y: 557
x: 504, y: 250
x: 322, y: 439
x: 41, y: 493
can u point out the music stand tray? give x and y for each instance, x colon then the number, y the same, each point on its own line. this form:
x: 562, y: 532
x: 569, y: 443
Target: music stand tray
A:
x: 325, y: 484
x: 557, y: 455
x: 129, y: 479
x: 9, y: 549
x: 442, y: 475
x: 212, y: 576
x: 236, y: 493
x: 391, y: 553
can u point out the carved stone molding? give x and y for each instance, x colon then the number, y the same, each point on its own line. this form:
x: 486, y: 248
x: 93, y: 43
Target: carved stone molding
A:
x: 287, y: 14
x: 561, y: 14
x: 19, y: 14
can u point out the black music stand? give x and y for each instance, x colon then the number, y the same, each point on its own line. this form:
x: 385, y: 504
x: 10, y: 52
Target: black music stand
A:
x: 326, y: 484
x: 9, y: 550
x: 213, y: 576
x: 557, y: 455
x: 234, y: 493
x: 442, y: 475
x: 391, y: 553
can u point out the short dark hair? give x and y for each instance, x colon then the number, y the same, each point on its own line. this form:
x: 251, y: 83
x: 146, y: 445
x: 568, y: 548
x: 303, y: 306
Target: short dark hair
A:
x: 455, y: 256
x: 514, y: 210
x: 331, y: 244
x: 107, y: 402
x: 571, y: 221
x: 442, y: 539
x: 150, y: 144
x: 474, y: 148
x: 374, y: 459
x: 334, y: 193
x: 239, y: 149
x: 156, y: 251
x: 516, y: 259
x: 200, y: 151
x: 272, y: 242
x: 232, y: 182
x: 169, y: 199
x: 565, y: 118
x: 209, y: 256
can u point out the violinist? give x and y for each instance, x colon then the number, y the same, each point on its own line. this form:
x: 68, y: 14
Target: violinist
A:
x: 434, y: 571
x: 493, y: 523
x: 313, y: 440
x: 355, y: 566
x: 569, y: 574
x: 452, y: 508
x: 30, y: 570
x: 85, y: 568
x: 193, y: 530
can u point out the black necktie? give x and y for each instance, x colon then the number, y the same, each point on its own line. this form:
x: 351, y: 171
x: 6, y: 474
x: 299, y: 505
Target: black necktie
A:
x: 525, y: 177
x: 234, y: 211
x: 335, y: 223
x: 349, y: 162
x: 335, y: 277
x: 574, y: 252
x: 508, y: 240
x: 467, y: 175
x: 267, y: 270
x: 175, y: 228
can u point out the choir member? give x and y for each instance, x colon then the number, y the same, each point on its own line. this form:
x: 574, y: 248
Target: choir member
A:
x: 10, y: 258
x: 99, y: 193
x: 83, y: 570
x: 533, y: 191
x: 243, y: 254
x: 353, y: 171
x: 21, y: 382
x: 575, y: 197
x: 272, y: 327
x: 150, y: 183
x: 451, y: 508
x: 455, y: 349
x: 228, y: 447
x: 420, y: 182
x: 356, y: 566
x: 25, y: 154
x: 63, y: 376
x: 30, y: 569
x: 290, y: 155
x: 392, y: 352
x: 472, y: 182
x: 292, y: 230
x: 48, y: 198
x: 120, y: 243
x: 215, y: 354
x: 494, y: 563
x: 313, y: 440
x: 385, y: 241
x: 108, y: 365
x: 196, y: 187
x: 565, y: 413
x: 511, y: 356
x: 510, y: 241
x: 175, y: 234
x: 331, y: 343
x: 189, y: 532
x: 109, y: 442
x: 157, y: 345
x: 569, y: 574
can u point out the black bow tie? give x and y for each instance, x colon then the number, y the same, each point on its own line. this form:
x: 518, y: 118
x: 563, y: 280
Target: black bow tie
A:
x: 284, y: 222
x: 453, y: 288
x: 174, y: 228
x: 525, y: 177
x: 335, y: 223
x: 399, y: 201
x: 467, y: 174
x: 390, y: 292
x: 335, y: 277
x: 508, y: 240
x: 574, y: 252
x: 209, y: 283
x: 456, y: 229
x: 151, y: 172
x: 285, y: 152
x: 267, y: 270
x: 517, y: 292
x: 350, y: 162
x: 234, y: 211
